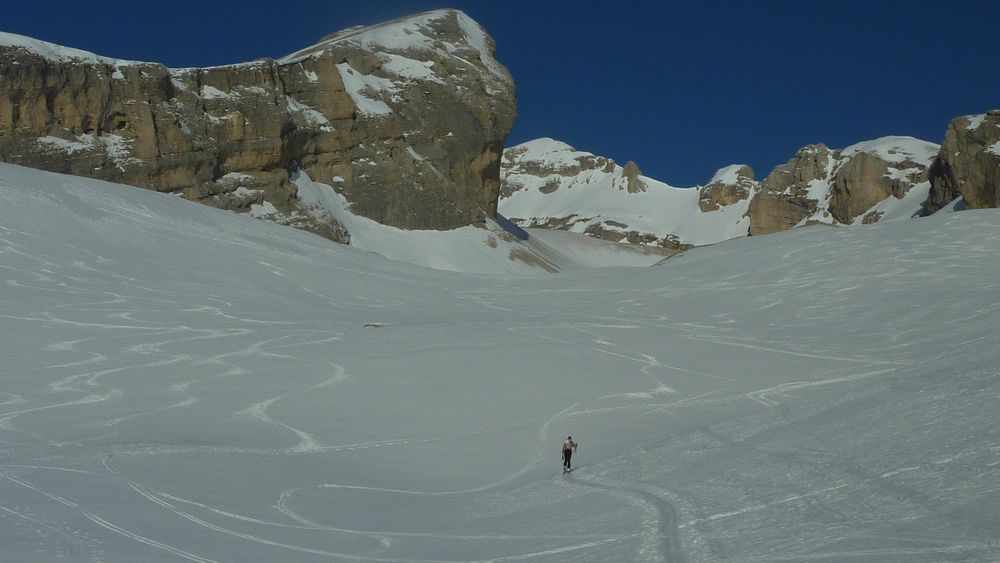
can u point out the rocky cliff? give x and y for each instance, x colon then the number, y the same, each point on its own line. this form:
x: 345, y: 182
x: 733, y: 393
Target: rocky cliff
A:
x: 733, y: 184
x: 406, y: 119
x: 857, y: 184
x: 549, y: 184
x: 968, y: 165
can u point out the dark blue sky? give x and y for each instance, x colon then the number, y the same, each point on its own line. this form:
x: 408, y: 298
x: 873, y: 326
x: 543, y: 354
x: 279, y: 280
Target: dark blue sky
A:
x: 681, y: 88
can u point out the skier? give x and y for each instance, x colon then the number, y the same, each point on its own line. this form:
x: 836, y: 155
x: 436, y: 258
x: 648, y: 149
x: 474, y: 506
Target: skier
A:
x: 569, y: 446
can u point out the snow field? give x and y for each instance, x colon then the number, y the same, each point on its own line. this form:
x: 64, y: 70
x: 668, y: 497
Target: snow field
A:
x: 470, y: 249
x: 184, y: 383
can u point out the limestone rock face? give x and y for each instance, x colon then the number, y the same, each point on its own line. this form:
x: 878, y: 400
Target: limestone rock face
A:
x: 784, y: 198
x: 968, y: 165
x: 406, y: 119
x: 730, y: 185
x: 843, y: 186
x: 866, y: 179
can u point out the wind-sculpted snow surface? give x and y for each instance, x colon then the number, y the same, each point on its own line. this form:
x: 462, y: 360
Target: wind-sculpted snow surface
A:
x: 180, y: 383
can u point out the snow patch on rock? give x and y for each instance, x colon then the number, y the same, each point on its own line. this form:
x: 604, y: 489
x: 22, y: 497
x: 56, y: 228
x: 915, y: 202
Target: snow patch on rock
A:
x: 362, y: 87
x: 728, y: 175
x: 263, y: 210
x: 117, y: 147
x: 68, y: 147
x: 409, y: 69
x: 896, y: 149
x: 312, y: 116
x: 213, y: 93
x: 974, y: 121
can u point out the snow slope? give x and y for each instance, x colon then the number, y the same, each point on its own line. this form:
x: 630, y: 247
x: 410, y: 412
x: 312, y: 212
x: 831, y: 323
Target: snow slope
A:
x: 480, y: 250
x: 551, y: 182
x: 181, y: 383
x: 594, y: 196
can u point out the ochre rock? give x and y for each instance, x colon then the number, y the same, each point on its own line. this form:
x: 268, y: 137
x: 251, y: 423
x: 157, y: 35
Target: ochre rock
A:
x: 730, y: 185
x: 410, y: 133
x: 783, y: 199
x: 839, y: 187
x: 968, y: 164
x: 865, y: 180
x: 631, y: 173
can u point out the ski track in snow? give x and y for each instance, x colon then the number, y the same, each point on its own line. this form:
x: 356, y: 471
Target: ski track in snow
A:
x: 151, y: 409
x: 658, y: 539
x: 86, y: 382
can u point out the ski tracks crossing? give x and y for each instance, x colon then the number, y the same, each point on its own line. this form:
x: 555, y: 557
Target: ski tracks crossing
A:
x: 658, y: 536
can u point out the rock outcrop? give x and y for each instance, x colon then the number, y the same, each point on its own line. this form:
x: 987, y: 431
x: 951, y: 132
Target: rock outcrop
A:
x: 633, y: 183
x: 865, y: 180
x: 407, y: 119
x: 730, y: 185
x: 968, y: 165
x: 844, y: 186
x: 549, y: 184
x: 784, y: 198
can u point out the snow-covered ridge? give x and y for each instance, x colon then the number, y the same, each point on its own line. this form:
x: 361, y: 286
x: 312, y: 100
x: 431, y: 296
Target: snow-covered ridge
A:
x: 547, y: 152
x: 408, y: 34
x: 59, y: 53
x: 400, y: 34
x: 896, y: 150
x: 549, y: 183
x: 405, y: 48
x: 401, y: 47
x: 728, y: 175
